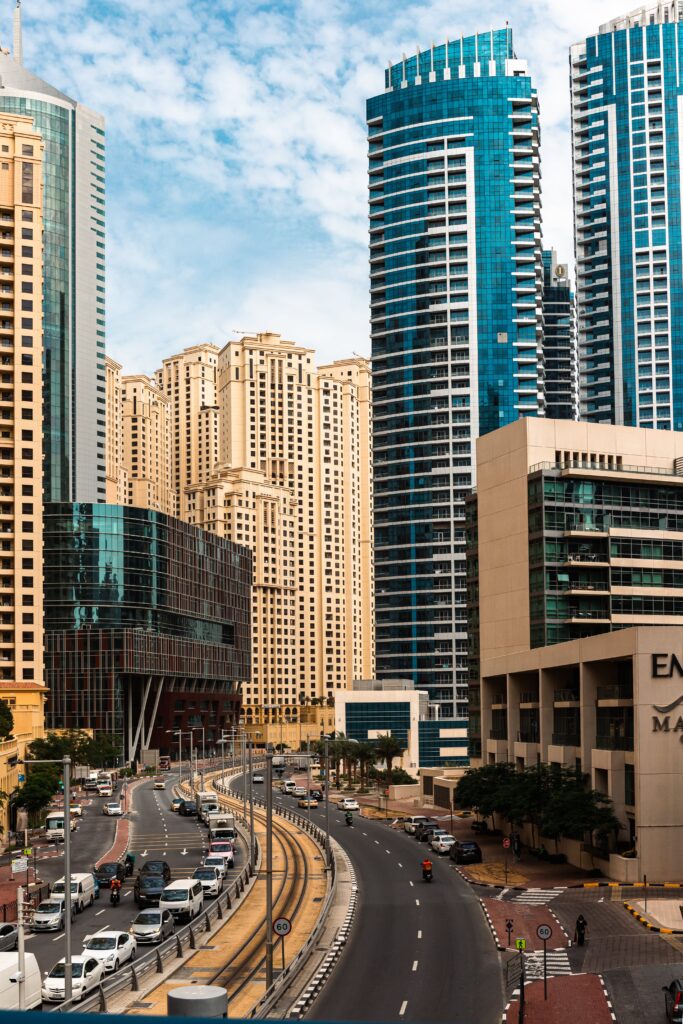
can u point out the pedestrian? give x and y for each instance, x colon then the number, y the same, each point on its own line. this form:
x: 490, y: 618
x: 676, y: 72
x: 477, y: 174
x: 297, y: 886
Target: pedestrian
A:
x: 581, y: 930
x: 516, y: 847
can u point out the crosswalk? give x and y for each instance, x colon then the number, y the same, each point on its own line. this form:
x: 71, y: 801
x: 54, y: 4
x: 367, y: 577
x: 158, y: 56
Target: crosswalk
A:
x: 558, y: 963
x: 537, y: 897
x: 141, y: 842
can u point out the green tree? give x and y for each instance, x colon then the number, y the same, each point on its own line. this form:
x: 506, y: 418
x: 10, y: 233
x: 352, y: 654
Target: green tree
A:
x: 42, y: 782
x: 367, y: 755
x: 101, y: 751
x: 6, y: 720
x: 388, y: 749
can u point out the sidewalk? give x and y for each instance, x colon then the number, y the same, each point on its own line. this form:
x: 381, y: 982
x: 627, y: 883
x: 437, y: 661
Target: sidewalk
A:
x: 525, y: 921
x: 580, y: 997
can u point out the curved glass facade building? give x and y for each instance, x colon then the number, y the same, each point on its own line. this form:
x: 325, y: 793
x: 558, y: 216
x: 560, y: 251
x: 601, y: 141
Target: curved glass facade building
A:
x: 147, y: 624
x: 456, y: 293
x: 73, y: 281
x: 627, y: 117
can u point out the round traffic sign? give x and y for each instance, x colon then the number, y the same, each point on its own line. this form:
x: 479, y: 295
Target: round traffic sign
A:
x: 506, y: 844
x: 282, y: 926
x: 544, y: 931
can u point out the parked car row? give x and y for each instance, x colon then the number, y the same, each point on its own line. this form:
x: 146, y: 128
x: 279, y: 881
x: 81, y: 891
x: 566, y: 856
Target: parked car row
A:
x: 427, y: 830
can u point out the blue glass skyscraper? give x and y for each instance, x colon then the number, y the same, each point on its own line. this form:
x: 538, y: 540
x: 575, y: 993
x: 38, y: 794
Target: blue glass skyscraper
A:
x: 627, y: 106
x: 456, y: 282
x: 560, y: 350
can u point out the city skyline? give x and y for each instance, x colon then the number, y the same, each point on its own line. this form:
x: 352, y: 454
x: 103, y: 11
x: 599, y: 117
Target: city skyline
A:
x: 299, y: 137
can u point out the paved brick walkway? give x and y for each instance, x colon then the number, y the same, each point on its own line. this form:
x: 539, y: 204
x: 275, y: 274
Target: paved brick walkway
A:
x: 525, y: 922
x: 579, y: 997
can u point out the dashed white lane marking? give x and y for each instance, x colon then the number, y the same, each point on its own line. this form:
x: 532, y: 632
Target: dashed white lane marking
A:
x: 58, y: 937
x: 387, y: 851
x: 400, y: 865
x: 404, y: 1004
x: 410, y: 884
x: 419, y: 935
x: 414, y: 965
x: 365, y: 833
x: 376, y: 842
x: 417, y: 903
x: 100, y: 912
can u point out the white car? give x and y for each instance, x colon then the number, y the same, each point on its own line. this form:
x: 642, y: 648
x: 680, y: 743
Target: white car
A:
x: 349, y: 804
x: 218, y: 861
x: 159, y: 785
x: 86, y: 973
x: 211, y: 879
x: 113, y: 809
x: 76, y: 810
x: 442, y: 844
x: 110, y: 948
x: 257, y: 778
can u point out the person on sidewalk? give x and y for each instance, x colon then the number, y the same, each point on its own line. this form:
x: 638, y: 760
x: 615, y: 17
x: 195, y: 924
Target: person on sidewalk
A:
x: 581, y: 930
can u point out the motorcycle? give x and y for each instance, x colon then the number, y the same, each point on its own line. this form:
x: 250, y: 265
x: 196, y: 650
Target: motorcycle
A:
x: 348, y: 817
x: 426, y: 874
x: 115, y: 897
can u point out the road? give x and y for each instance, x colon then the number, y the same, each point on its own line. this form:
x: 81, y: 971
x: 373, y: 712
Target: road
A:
x: 418, y: 951
x: 157, y: 833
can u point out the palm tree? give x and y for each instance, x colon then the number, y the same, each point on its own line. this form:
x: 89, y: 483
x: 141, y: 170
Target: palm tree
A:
x: 366, y: 752
x: 388, y: 749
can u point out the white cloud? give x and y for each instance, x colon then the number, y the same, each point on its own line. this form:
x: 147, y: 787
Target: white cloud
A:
x: 238, y: 126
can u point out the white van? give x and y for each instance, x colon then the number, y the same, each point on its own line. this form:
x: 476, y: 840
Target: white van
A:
x: 54, y: 826
x: 82, y: 890
x: 184, y: 898
x: 9, y: 987
x: 289, y: 786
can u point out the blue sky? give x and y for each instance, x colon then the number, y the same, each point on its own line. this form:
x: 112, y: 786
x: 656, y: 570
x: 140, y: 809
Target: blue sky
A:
x: 236, y: 167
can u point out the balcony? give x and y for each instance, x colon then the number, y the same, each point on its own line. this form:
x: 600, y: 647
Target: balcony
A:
x: 619, y: 692
x: 613, y: 742
x: 566, y: 697
x: 499, y: 701
x: 528, y: 697
x: 528, y: 736
x: 499, y: 733
x: 566, y: 739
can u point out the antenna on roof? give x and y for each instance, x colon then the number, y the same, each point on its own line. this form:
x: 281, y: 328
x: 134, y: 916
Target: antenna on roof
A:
x: 18, y: 44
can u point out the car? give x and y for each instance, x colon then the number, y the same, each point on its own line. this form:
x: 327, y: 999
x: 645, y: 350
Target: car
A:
x: 465, y: 852
x: 308, y: 801
x: 187, y: 808
x: 298, y: 791
x: 411, y: 823
x: 211, y: 879
x: 156, y: 867
x: 49, y: 915
x: 348, y: 804
x: 76, y: 810
x: 110, y: 869
x: 257, y: 777
x: 218, y: 861
x: 317, y: 794
x: 427, y: 834
x: 8, y: 938
x: 152, y: 926
x: 110, y: 948
x: 442, y: 843
x: 87, y: 973
x: 113, y: 808
x: 225, y: 847
x: 673, y: 1001
x: 159, y: 785
x: 104, y: 789
x: 96, y: 884
x: 176, y: 802
x: 422, y: 825
x: 148, y: 889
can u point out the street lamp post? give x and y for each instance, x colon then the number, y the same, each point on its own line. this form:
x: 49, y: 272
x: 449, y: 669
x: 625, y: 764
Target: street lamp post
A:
x: 269, y: 870
x: 328, y: 852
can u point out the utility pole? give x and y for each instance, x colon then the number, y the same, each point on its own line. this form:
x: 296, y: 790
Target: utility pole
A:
x: 21, y: 949
x: 328, y: 852
x: 252, y: 851
x: 68, y: 970
x: 244, y: 774
x: 269, y: 870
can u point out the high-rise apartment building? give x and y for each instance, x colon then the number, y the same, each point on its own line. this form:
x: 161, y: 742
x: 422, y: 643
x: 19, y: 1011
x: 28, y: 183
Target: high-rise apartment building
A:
x: 73, y: 288
x: 625, y: 85
x: 294, y: 483
x: 138, y: 442
x: 560, y: 350
x: 21, y: 506
x: 189, y: 382
x: 456, y: 289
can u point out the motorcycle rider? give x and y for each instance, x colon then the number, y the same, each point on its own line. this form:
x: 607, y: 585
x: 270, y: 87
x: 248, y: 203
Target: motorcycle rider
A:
x: 348, y: 817
x: 115, y: 890
x: 426, y: 869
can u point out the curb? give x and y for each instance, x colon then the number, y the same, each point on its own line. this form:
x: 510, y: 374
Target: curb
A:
x: 312, y: 990
x: 489, y: 921
x: 651, y: 927
x: 130, y: 790
x: 607, y: 998
x: 626, y: 885
x: 489, y: 885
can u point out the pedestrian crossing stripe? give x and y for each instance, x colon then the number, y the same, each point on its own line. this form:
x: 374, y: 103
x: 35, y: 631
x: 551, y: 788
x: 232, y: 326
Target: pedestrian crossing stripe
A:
x: 537, y: 897
x: 557, y: 963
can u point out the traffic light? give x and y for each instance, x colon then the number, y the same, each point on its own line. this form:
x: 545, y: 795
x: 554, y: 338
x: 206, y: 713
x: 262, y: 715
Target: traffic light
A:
x: 61, y: 785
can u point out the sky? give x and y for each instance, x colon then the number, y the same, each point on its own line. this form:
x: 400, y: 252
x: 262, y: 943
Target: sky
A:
x: 236, y: 154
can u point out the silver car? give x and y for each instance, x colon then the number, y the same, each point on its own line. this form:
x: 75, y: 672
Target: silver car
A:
x: 49, y: 916
x: 153, y: 925
x: 8, y: 938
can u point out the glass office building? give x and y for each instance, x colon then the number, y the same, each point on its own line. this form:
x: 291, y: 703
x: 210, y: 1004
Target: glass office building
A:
x: 560, y: 350
x: 147, y: 624
x: 456, y: 321
x: 74, y: 280
x: 626, y: 141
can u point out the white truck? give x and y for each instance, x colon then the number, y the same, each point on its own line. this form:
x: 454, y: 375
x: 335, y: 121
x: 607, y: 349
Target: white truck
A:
x: 54, y: 826
x: 224, y: 822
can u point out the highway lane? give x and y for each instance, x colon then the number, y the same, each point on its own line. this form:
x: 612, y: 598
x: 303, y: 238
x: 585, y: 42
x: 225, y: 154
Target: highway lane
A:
x: 157, y: 833
x: 418, y: 951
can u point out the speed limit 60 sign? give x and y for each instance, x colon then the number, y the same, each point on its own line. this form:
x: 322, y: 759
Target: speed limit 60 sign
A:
x: 544, y: 932
x: 282, y: 926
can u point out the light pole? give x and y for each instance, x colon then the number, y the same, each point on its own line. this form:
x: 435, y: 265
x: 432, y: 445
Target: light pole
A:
x: 196, y: 728
x: 328, y: 852
x: 269, y: 870
x: 180, y: 733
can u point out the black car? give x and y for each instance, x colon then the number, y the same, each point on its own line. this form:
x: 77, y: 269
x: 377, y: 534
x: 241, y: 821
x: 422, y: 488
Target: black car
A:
x: 156, y: 867
x: 427, y: 834
x: 108, y: 871
x: 148, y: 890
x: 465, y: 852
x: 422, y: 826
x: 317, y: 794
x: 673, y: 1001
x: 187, y: 808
